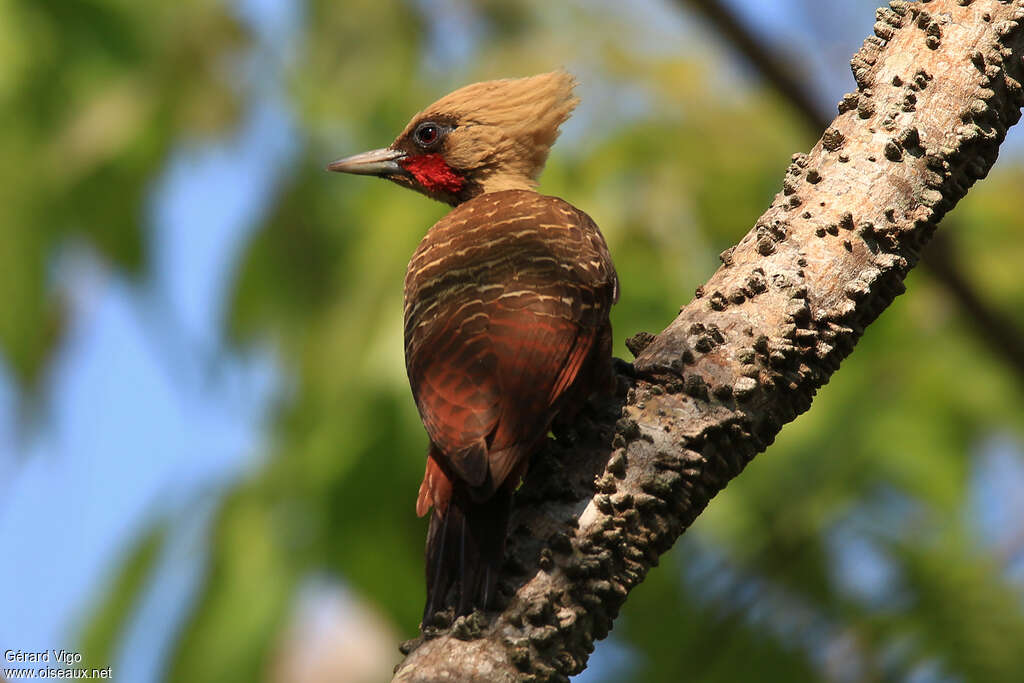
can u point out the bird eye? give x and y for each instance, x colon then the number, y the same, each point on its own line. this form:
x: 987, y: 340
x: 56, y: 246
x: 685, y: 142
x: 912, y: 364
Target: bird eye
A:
x: 427, y: 134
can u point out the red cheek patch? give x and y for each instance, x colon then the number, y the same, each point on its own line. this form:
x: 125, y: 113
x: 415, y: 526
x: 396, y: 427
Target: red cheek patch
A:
x: 433, y: 173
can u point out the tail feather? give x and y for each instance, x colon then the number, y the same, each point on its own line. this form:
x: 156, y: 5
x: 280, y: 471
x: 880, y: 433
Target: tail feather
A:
x: 465, y: 550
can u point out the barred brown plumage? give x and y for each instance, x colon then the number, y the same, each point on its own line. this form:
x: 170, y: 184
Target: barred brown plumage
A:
x: 506, y: 314
x: 483, y: 298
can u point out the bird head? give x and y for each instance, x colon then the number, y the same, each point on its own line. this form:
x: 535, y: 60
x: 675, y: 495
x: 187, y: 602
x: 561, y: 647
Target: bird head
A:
x: 484, y: 137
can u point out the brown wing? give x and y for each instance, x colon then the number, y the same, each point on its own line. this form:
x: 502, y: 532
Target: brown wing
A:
x: 504, y: 299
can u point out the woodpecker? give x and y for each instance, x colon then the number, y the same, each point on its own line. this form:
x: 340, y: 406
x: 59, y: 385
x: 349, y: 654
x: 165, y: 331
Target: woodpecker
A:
x: 506, y: 311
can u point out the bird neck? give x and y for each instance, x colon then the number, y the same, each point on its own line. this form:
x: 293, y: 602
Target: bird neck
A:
x: 499, y: 182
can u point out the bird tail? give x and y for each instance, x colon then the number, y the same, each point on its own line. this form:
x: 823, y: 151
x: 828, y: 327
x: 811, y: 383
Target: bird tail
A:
x: 465, y: 549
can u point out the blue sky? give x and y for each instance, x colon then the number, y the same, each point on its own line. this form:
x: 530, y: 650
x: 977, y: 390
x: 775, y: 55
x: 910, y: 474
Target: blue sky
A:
x: 150, y: 416
x: 146, y: 407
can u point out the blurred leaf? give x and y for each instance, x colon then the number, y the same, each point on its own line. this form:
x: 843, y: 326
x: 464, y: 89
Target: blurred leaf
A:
x: 107, y: 621
x: 974, y: 623
x: 702, y: 643
x: 93, y: 97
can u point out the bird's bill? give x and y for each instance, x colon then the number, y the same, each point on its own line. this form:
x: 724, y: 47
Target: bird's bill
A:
x: 380, y: 162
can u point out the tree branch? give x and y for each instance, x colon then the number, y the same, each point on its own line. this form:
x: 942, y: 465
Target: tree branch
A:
x: 995, y: 330
x: 937, y: 90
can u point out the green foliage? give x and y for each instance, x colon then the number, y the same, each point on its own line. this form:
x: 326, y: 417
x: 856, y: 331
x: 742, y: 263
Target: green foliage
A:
x: 108, y: 618
x: 110, y: 87
x: 680, y: 635
x: 93, y: 93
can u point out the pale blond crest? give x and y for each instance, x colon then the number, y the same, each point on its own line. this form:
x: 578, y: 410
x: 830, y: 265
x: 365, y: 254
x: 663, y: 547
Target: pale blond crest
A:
x: 503, y: 129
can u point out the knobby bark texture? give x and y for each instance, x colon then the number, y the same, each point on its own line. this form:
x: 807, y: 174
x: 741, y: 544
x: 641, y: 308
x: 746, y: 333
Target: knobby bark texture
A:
x: 991, y: 327
x: 938, y: 85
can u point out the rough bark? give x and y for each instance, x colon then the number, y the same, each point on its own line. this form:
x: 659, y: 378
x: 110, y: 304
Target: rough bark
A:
x: 992, y: 328
x: 938, y: 86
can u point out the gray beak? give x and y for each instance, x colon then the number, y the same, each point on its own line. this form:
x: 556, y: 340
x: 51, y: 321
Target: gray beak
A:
x: 379, y: 162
